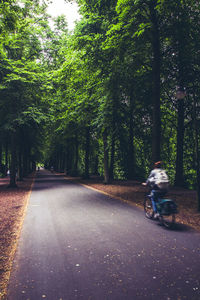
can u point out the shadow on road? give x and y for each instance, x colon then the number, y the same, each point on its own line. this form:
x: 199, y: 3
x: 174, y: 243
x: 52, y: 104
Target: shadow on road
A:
x: 182, y: 228
x: 177, y: 227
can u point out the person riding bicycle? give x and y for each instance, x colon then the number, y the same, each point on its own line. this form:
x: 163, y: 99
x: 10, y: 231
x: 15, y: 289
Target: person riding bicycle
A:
x: 159, y: 183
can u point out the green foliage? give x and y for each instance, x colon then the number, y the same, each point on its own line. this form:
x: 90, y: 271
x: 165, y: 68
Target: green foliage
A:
x: 107, y: 77
x: 22, y: 94
x: 57, y: 87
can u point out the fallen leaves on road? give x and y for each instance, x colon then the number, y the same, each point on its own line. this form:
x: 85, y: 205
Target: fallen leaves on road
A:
x: 12, y: 208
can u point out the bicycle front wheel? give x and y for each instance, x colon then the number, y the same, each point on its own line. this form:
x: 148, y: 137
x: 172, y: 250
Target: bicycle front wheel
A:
x: 168, y: 220
x: 148, y: 208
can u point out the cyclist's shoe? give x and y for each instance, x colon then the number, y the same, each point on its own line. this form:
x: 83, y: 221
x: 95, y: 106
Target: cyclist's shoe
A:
x: 156, y: 216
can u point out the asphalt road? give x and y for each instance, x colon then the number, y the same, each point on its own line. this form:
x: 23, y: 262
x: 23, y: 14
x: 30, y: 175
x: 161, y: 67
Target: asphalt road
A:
x: 77, y: 243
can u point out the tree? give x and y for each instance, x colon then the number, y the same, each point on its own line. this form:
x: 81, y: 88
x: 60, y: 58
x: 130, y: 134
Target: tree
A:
x: 19, y: 103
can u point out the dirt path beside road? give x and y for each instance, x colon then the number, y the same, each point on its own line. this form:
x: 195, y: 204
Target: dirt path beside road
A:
x: 13, y: 204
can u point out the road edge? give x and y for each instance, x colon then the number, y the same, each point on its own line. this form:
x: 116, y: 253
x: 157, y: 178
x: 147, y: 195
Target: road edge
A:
x: 14, y: 243
x: 133, y: 204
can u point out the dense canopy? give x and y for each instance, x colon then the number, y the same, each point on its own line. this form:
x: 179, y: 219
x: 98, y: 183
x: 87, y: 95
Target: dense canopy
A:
x: 110, y: 98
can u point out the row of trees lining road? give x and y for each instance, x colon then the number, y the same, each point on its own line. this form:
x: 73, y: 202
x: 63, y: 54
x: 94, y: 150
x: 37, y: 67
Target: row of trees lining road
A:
x: 119, y: 93
x: 24, y: 85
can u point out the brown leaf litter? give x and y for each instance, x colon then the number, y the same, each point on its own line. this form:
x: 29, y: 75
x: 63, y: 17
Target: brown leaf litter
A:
x: 13, y: 203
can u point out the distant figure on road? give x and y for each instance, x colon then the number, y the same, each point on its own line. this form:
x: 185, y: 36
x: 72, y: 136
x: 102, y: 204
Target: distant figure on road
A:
x: 38, y: 168
x: 51, y: 169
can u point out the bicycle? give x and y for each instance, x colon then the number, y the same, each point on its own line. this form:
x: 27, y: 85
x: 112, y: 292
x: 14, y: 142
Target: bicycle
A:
x: 166, y: 208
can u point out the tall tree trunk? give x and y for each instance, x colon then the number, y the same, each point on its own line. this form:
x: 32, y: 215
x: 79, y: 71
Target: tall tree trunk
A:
x: 59, y: 160
x: 1, y: 158
x: 181, y: 44
x: 25, y: 163
x: 62, y: 157
x: 96, y: 159
x: 63, y: 162
x: 67, y: 162
x: 96, y: 165
x: 13, y: 164
x: 106, y: 168
x: 30, y: 165
x: 76, y: 154
x: 87, y: 152
x: 6, y: 158
x: 33, y: 165
x: 112, y: 158
x: 131, y: 150
x: 198, y: 170
x: 20, y: 154
x: 179, y: 178
x: 179, y: 175
x: 156, y: 129
x: 20, y: 167
x: 197, y: 152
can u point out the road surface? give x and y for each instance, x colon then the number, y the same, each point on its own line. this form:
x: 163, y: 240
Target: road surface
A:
x: 77, y: 243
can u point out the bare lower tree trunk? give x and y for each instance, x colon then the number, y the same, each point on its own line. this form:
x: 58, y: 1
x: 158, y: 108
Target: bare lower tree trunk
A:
x: 13, y: 164
x: 181, y: 43
x: 1, y: 152
x: 76, y: 155
x: 96, y: 159
x: 131, y: 150
x: 67, y: 162
x: 20, y: 168
x: 96, y: 165
x: 6, y: 158
x: 112, y: 158
x: 87, y: 152
x: 179, y: 178
x: 197, y: 166
x: 197, y: 152
x: 25, y: 161
x: 106, y: 168
x: 156, y: 129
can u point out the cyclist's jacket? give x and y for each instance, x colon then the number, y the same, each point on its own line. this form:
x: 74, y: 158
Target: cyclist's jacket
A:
x: 158, y: 179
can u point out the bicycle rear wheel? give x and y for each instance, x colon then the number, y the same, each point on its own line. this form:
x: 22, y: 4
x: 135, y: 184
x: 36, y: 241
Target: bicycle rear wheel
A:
x: 148, y: 208
x: 168, y: 220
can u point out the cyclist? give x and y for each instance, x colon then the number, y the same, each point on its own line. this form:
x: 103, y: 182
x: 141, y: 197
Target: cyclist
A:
x: 159, y: 183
